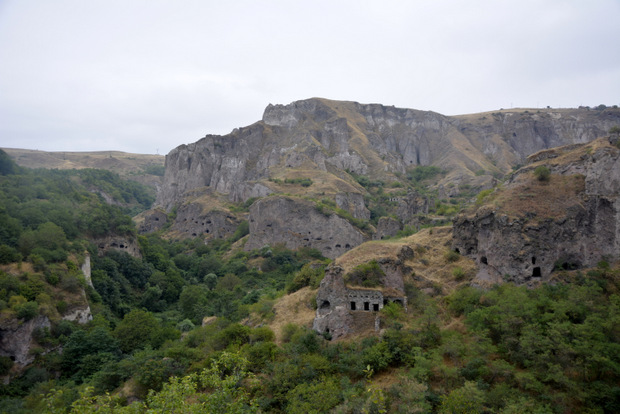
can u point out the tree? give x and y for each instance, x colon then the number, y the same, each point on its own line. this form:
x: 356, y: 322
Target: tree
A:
x: 136, y: 330
x: 465, y: 400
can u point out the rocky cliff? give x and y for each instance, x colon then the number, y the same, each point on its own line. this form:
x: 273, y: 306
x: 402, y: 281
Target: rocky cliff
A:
x: 531, y: 227
x: 333, y: 136
x: 318, y: 149
x: 296, y: 223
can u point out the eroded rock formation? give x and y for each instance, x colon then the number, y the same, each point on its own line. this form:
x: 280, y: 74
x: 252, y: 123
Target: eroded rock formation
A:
x: 571, y: 222
x: 296, y: 222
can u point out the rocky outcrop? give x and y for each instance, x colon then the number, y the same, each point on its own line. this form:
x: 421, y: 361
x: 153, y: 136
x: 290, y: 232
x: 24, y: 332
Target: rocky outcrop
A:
x: 342, y: 310
x: 328, y: 142
x: 354, y: 204
x: 16, y: 338
x: 387, y: 227
x: 153, y: 220
x: 125, y: 244
x: 296, y: 223
x: 412, y: 205
x: 332, y: 314
x: 193, y: 221
x: 369, y: 139
x: 79, y: 314
x: 527, y: 247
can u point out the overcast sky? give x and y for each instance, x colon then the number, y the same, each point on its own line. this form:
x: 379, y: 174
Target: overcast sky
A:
x: 146, y: 76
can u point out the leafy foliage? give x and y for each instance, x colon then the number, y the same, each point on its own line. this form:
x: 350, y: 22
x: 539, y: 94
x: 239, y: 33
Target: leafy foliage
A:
x: 367, y: 274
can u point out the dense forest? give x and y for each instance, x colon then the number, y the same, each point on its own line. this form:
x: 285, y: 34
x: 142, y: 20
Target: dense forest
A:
x: 508, y: 349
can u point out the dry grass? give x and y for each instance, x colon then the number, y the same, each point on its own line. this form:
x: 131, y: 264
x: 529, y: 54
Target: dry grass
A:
x: 296, y: 308
x: 429, y: 264
x: 530, y: 197
x: 120, y: 162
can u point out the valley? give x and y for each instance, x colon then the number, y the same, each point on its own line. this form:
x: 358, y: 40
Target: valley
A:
x: 331, y: 257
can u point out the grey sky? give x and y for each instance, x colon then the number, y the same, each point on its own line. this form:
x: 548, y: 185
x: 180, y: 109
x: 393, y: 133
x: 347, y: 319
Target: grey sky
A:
x: 147, y: 76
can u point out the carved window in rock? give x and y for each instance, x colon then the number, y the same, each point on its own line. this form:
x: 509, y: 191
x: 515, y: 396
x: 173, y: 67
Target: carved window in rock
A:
x: 366, y: 306
x: 325, y: 304
x: 375, y: 307
x: 353, y: 305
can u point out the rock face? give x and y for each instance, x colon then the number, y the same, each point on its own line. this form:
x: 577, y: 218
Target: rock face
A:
x: 154, y: 220
x: 332, y: 314
x: 15, y: 339
x: 387, y: 227
x: 297, y: 223
x: 367, y: 139
x: 121, y: 243
x: 192, y: 221
x: 329, y: 141
x: 342, y: 310
x: 528, y: 246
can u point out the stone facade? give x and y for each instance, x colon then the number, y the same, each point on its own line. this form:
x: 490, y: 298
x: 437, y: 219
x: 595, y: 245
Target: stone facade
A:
x: 337, y: 305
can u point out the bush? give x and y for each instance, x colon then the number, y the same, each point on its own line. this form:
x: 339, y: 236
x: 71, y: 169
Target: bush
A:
x: 458, y: 273
x: 9, y: 255
x: 452, y: 256
x: 309, y: 275
x: 5, y: 365
x: 27, y: 310
x: 542, y: 173
x: 367, y: 274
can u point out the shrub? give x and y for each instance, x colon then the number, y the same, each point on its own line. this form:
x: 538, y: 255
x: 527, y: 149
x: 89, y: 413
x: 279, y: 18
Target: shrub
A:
x: 5, y: 365
x: 458, y: 273
x: 367, y: 274
x: 452, y: 256
x: 542, y: 173
x: 27, y: 310
x: 309, y: 275
x: 9, y: 255
x: 482, y: 195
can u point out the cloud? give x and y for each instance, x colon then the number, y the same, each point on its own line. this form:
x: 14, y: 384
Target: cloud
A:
x: 143, y: 76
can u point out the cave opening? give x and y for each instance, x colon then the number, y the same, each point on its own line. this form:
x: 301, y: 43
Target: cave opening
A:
x: 536, y: 272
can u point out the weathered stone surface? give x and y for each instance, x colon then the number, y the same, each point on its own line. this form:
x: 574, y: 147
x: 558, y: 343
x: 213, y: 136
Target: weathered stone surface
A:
x: 354, y: 204
x: 154, y: 220
x: 370, y: 139
x: 332, y: 313
x: 297, y: 223
x: 412, y: 205
x: 79, y: 314
x: 192, y: 221
x: 16, y: 338
x: 525, y: 248
x: 121, y: 243
x: 342, y: 310
x: 387, y: 227
x: 326, y: 140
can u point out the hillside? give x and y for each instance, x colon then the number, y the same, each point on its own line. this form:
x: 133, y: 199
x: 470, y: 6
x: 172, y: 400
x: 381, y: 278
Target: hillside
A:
x: 146, y: 169
x: 557, y: 212
x: 344, y: 284
x: 359, y: 162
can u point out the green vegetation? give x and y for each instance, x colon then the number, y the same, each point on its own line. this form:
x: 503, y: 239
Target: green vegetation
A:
x: 507, y: 349
x: 542, y: 173
x: 423, y: 172
x: 304, y: 182
x: 367, y: 275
